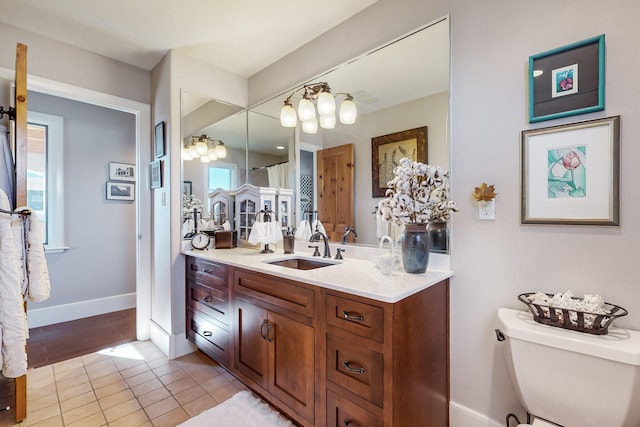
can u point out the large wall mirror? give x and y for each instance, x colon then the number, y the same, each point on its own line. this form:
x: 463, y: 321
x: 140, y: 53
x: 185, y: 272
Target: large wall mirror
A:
x: 399, y: 86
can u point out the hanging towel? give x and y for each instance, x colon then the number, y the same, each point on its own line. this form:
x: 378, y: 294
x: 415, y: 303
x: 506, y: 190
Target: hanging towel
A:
x: 38, y: 286
x: 13, y: 322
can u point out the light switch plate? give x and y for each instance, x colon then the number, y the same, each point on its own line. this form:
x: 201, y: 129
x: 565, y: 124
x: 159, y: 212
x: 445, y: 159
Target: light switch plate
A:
x: 487, y: 210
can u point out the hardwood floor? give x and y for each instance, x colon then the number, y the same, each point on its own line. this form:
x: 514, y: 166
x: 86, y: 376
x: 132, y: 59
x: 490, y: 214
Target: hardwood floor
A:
x: 63, y: 341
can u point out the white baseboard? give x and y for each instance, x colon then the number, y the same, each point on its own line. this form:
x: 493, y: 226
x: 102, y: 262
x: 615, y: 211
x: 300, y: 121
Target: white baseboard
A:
x: 37, y: 317
x: 171, y: 345
x: 461, y: 416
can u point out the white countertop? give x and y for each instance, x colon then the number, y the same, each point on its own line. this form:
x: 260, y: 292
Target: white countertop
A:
x: 352, y: 275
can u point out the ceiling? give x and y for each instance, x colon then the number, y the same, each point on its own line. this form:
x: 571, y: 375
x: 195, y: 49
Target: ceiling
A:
x: 242, y: 37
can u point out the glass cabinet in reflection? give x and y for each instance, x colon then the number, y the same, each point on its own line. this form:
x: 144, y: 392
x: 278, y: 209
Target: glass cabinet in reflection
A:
x: 249, y: 201
x: 221, y: 207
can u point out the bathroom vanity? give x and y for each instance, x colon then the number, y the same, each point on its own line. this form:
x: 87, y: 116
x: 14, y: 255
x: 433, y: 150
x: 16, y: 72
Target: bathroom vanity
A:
x: 335, y: 345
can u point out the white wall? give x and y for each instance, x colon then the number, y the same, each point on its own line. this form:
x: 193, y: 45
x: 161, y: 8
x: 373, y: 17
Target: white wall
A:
x: 494, y: 261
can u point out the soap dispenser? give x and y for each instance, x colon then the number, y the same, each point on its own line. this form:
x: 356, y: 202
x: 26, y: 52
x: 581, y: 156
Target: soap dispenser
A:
x: 288, y: 241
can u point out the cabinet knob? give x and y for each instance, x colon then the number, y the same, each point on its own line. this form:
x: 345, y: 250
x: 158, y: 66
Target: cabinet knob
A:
x: 354, y: 317
x: 356, y: 370
x: 262, y: 333
x: 208, y: 271
x: 207, y: 298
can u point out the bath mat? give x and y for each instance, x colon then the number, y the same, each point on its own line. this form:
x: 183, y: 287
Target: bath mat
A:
x: 241, y: 410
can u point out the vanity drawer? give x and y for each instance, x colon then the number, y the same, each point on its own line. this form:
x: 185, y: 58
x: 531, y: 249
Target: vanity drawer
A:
x: 355, y: 368
x: 343, y: 413
x: 212, y: 300
x: 292, y: 296
x: 208, y: 272
x: 359, y: 318
x: 210, y: 336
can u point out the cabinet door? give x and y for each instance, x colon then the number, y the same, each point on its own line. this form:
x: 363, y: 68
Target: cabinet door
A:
x: 251, y: 355
x: 292, y: 352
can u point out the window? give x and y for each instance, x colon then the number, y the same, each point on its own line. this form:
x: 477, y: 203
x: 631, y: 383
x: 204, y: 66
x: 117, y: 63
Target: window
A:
x: 221, y: 176
x: 45, y: 195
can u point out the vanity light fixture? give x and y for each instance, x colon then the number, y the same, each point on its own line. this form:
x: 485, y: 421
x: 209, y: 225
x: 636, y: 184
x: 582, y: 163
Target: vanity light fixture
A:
x: 325, y: 104
x: 204, y: 148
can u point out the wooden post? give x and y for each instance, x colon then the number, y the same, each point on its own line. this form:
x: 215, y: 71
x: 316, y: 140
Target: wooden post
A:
x: 21, y: 184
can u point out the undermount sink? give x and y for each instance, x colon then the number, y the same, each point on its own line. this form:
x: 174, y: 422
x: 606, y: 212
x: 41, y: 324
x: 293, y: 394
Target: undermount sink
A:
x: 300, y: 263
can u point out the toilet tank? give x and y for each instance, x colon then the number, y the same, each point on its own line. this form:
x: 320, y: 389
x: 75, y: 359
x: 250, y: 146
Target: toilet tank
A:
x: 573, y: 378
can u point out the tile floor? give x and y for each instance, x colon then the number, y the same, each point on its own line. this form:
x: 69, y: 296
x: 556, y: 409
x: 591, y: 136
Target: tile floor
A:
x: 129, y: 385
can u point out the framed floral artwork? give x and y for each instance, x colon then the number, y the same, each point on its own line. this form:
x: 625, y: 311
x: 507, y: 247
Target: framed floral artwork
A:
x: 570, y: 173
x: 387, y: 150
x: 567, y: 81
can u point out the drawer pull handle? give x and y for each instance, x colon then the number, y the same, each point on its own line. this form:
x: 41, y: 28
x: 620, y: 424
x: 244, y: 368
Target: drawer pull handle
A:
x: 207, y: 298
x: 346, y: 423
x: 354, y: 317
x: 358, y: 370
x: 207, y: 333
x: 262, y: 334
x: 208, y: 271
x: 269, y: 337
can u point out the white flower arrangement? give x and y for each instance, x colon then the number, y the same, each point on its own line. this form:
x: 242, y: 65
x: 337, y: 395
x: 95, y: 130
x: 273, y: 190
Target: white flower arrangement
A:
x: 189, y: 203
x: 419, y: 193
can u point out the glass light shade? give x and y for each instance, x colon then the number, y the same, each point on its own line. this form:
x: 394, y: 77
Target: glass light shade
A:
x: 306, y: 110
x: 211, y: 154
x: 221, y: 151
x: 288, y: 116
x: 348, y: 112
x: 328, y: 121
x: 201, y: 147
x: 204, y: 159
x: 310, y: 126
x: 326, y: 103
x: 194, y: 153
x: 186, y: 154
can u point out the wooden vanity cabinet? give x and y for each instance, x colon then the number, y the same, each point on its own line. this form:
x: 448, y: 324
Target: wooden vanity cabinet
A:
x: 275, y: 341
x: 208, y: 308
x: 388, y: 364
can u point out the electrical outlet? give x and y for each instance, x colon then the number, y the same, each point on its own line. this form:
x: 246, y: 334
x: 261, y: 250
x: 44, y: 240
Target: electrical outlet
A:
x: 487, y: 210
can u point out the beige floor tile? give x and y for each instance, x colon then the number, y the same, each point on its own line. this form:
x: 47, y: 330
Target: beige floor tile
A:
x: 181, y: 385
x: 115, y: 399
x: 43, y: 390
x: 140, y: 378
x: 158, y: 362
x: 135, y: 370
x: 203, y: 374
x: 71, y: 374
x: 135, y: 419
x: 153, y: 397
x: 200, y: 404
x: 78, y: 401
x: 73, y: 380
x: 106, y: 380
x: 40, y: 374
x: 215, y: 383
x: 147, y: 387
x: 162, y: 407
x: 166, y: 368
x: 121, y: 410
x: 171, y: 418
x: 49, y: 422
x: 95, y: 420
x: 123, y: 363
x: 224, y: 392
x: 33, y: 403
x: 101, y: 369
x: 190, y: 394
x: 42, y: 414
x: 68, y: 393
x: 96, y: 357
x: 173, y: 376
x: 110, y: 389
x: 66, y: 365
x: 80, y: 413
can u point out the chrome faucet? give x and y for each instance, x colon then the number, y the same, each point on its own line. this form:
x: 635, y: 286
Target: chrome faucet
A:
x: 348, y: 229
x: 314, y: 238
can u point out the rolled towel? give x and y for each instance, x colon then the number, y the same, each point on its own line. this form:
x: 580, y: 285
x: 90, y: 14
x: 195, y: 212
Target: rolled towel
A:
x: 303, y: 231
x: 39, y: 286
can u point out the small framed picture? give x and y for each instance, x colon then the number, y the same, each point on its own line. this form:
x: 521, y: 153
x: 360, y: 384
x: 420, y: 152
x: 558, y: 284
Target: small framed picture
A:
x: 156, y: 174
x: 122, y: 172
x: 158, y: 140
x: 120, y: 191
x: 387, y: 150
x: 567, y: 81
x: 570, y: 173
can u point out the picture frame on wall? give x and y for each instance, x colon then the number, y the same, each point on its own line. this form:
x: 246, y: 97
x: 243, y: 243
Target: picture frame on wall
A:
x: 387, y: 150
x: 570, y: 173
x: 567, y: 81
x: 156, y: 173
x: 120, y: 191
x: 159, y: 140
x: 122, y: 172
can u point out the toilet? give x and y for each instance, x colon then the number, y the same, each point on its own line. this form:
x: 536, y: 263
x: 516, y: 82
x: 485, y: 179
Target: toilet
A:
x: 568, y: 378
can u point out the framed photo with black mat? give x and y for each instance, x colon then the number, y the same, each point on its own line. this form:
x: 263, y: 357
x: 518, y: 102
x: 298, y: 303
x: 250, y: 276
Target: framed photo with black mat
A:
x: 570, y: 173
x: 567, y: 81
x: 158, y: 140
x: 156, y: 174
